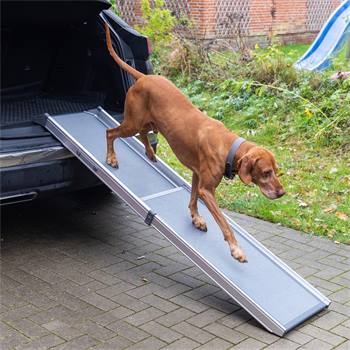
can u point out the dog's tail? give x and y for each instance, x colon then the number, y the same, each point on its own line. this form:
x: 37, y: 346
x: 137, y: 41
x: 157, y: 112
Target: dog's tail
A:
x: 135, y: 73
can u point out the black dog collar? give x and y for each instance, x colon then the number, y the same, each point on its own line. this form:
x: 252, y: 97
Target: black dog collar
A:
x: 229, y: 166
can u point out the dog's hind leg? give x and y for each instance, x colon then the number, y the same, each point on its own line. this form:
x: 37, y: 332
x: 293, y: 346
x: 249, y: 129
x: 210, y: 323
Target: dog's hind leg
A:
x: 133, y: 123
x: 197, y: 220
x: 148, y: 148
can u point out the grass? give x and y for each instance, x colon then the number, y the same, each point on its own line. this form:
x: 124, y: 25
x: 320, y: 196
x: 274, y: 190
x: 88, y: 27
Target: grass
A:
x: 316, y: 174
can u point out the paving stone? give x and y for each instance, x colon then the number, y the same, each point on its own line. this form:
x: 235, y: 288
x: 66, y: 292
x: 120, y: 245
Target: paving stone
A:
x: 47, y: 276
x: 201, y: 292
x: 112, y: 315
x: 117, y: 343
x: 235, y: 319
x: 130, y: 302
x: 217, y: 344
x: 252, y: 329
x: 316, y: 344
x: 344, y: 346
x: 74, y: 276
x: 306, y: 271
x: 193, y: 332
x: 319, y: 282
x: 81, y: 343
x: 341, y: 281
x: 342, y: 296
x: 190, y: 304
x: 221, y: 305
x: 298, y: 337
x: 174, y: 317
x: 144, y: 316
x: 330, y: 261
x: 342, y: 331
x: 321, y: 334
x: 21, y: 312
x: 143, y: 290
x: 206, y: 317
x: 29, y: 328
x: 346, y: 323
x: 116, y: 289
x: 99, y: 301
x: 226, y: 333
x: 329, y: 320
x: 118, y: 267
x: 187, y: 280
x: 46, y: 342
x: 169, y: 267
x: 284, y: 344
x: 182, y: 344
x: 172, y: 291
x: 62, y: 329
x: 95, y: 330
x: 159, y: 303
x: 161, y: 332
x: 249, y: 344
x: 160, y: 280
x: 128, y: 331
x: 328, y: 273
x: 10, y: 338
x: 80, y: 290
x: 131, y: 278
x: 340, y: 308
x: 148, y: 344
x: 11, y: 301
x: 104, y: 277
x: 59, y: 312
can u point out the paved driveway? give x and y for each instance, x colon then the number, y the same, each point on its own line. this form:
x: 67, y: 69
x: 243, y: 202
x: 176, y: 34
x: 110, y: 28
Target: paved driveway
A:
x: 82, y: 271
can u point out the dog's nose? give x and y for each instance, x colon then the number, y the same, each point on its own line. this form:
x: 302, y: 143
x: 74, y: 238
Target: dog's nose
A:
x: 280, y: 192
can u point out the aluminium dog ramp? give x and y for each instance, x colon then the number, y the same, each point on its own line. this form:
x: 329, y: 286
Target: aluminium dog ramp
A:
x: 267, y: 288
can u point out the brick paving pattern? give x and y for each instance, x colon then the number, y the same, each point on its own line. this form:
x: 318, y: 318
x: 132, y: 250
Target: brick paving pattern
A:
x: 81, y: 271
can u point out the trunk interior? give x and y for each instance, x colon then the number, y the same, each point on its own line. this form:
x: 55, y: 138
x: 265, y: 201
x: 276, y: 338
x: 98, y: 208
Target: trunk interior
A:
x: 54, y: 61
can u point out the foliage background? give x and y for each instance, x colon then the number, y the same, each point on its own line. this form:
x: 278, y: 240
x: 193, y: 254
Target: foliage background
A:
x: 303, y: 117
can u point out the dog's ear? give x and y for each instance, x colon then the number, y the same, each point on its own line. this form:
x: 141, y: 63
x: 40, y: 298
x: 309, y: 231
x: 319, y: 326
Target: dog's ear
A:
x: 245, y: 167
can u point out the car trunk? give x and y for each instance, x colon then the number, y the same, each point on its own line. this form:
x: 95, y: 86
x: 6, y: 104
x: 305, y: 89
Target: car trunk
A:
x: 53, y: 60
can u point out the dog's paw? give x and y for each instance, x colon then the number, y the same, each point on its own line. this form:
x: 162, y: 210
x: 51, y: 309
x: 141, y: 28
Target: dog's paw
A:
x: 199, y: 223
x: 238, y: 254
x: 112, y: 161
x: 151, y: 156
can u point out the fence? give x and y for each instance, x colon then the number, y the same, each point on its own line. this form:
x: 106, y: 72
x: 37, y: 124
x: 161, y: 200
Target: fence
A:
x: 293, y: 21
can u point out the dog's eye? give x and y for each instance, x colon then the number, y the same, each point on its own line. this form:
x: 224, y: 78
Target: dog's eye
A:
x: 267, y: 173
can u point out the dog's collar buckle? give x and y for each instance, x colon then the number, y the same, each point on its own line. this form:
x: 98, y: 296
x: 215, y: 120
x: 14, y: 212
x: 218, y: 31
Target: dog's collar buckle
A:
x: 229, y: 166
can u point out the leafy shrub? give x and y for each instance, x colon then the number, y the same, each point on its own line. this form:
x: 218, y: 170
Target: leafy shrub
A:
x: 158, y: 23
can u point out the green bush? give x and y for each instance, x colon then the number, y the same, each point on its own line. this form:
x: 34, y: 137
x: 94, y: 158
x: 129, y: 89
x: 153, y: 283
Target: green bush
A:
x: 158, y: 24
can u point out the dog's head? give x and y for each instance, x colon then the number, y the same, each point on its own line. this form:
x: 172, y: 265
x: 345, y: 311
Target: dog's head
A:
x: 259, y: 166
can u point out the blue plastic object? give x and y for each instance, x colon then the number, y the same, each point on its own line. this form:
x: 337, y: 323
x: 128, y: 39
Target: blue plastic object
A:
x: 329, y: 41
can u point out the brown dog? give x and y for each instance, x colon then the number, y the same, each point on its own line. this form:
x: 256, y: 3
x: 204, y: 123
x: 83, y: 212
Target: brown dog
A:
x: 199, y: 142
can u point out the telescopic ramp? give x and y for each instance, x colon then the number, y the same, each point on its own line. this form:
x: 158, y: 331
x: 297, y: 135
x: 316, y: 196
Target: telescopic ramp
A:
x: 266, y: 287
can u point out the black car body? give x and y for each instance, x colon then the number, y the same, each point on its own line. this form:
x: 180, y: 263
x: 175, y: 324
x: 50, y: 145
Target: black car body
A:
x: 54, y: 60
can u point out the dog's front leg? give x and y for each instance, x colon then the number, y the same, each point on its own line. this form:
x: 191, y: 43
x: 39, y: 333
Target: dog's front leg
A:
x: 197, y: 220
x: 209, y: 200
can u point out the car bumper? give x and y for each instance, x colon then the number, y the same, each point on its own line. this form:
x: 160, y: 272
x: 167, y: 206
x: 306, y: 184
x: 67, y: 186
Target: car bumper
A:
x: 42, y: 172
